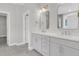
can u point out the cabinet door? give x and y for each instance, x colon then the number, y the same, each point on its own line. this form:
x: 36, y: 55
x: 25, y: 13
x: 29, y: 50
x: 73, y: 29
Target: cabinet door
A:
x: 54, y: 49
x: 37, y: 42
x: 33, y: 40
x: 45, y: 45
x: 68, y: 51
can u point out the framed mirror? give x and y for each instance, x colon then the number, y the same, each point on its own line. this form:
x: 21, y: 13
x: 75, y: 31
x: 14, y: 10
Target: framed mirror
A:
x: 68, y: 17
x: 44, y: 18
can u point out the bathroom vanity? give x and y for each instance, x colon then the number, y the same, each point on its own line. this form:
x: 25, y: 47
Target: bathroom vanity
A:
x: 50, y: 44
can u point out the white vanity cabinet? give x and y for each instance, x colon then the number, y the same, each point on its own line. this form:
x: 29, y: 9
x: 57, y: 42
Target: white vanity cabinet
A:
x: 45, y: 45
x: 36, y: 42
x: 41, y: 43
x: 63, y: 47
x: 69, y: 51
x: 54, y: 46
x: 54, y: 49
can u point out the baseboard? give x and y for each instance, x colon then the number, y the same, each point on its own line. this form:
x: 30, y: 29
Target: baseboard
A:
x: 18, y: 44
x: 3, y: 35
x: 12, y: 44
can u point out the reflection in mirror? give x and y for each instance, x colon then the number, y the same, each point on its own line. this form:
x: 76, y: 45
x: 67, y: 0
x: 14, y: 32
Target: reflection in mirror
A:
x: 60, y: 19
x: 68, y: 16
x: 44, y: 18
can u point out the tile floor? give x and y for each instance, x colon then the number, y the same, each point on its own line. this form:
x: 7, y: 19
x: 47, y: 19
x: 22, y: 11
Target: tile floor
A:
x: 15, y: 50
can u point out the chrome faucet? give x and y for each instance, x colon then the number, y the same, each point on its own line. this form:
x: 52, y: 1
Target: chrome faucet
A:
x: 66, y: 32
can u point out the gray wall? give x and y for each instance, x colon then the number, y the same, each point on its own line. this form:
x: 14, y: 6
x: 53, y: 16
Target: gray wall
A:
x: 3, y: 25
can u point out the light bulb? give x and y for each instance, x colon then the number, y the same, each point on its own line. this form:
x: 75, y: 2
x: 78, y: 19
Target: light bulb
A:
x: 40, y: 11
x: 43, y: 9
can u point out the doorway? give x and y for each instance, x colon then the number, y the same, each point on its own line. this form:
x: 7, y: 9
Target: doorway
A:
x: 3, y: 29
x: 26, y: 30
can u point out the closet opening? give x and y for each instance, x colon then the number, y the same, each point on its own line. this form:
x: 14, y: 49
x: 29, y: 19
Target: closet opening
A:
x: 3, y: 29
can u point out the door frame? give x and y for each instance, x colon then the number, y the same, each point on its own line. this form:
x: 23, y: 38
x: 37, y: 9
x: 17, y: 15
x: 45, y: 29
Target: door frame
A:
x: 24, y: 39
x: 8, y: 26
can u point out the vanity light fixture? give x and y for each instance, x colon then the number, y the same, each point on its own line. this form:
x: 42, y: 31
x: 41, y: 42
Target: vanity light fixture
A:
x: 40, y: 11
x: 44, y: 8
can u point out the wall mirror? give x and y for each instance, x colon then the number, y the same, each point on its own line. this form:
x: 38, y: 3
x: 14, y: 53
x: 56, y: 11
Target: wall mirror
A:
x: 44, y: 18
x: 68, y: 16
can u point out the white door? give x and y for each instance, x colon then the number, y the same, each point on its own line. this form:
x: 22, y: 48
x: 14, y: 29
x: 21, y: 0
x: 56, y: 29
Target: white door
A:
x: 26, y: 28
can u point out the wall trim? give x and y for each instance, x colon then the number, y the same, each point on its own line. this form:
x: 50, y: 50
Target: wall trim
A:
x: 12, y: 44
x: 18, y: 44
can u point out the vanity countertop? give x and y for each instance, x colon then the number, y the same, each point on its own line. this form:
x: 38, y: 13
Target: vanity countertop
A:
x: 67, y: 37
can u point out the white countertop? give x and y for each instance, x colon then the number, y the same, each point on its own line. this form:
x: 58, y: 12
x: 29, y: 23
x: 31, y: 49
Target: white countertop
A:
x: 68, y: 37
